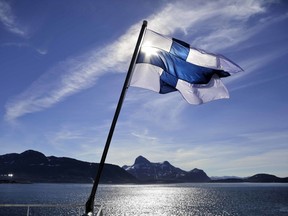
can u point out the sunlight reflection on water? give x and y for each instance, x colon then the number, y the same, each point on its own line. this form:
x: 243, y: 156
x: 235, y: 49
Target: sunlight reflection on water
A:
x: 157, y: 200
x: 190, y: 199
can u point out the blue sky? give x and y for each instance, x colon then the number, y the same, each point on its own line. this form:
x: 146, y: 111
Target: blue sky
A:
x: 63, y: 64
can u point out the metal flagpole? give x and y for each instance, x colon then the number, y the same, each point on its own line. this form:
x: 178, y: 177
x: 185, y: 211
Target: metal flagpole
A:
x: 90, y: 202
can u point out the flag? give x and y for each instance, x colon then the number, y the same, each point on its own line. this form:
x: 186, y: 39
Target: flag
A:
x: 166, y: 65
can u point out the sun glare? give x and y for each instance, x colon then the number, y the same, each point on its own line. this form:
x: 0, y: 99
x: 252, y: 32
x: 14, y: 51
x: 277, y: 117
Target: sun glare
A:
x: 148, y: 49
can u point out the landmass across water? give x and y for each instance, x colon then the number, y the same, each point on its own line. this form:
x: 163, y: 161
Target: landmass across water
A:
x: 34, y: 167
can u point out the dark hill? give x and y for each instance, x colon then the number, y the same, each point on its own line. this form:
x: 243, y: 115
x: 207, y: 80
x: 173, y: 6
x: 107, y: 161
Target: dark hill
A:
x: 266, y: 178
x: 34, y: 166
x: 258, y: 178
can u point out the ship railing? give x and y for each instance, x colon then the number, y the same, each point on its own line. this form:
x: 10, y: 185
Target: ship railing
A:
x: 50, y: 209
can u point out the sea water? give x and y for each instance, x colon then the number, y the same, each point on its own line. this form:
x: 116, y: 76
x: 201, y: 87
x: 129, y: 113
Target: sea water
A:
x: 209, y: 199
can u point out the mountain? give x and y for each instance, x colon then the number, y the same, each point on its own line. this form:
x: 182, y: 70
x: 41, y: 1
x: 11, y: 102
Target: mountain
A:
x: 262, y: 177
x: 33, y: 166
x: 224, y: 177
x: 258, y: 178
x: 146, y: 171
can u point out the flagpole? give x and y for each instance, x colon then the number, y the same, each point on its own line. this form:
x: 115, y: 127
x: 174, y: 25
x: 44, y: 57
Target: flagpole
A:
x: 89, y: 207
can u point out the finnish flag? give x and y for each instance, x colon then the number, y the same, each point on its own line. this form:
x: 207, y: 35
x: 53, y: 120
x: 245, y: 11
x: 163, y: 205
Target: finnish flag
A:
x: 167, y: 64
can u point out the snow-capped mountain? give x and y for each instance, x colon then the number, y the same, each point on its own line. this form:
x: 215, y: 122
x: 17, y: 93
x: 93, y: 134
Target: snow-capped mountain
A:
x: 146, y: 171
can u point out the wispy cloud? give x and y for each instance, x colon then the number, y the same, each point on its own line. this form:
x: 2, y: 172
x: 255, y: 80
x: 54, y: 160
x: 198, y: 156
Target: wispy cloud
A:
x: 79, y: 73
x: 223, y: 21
x: 9, y: 20
x: 86, y: 141
x: 255, y: 63
x: 266, y: 162
x: 253, y: 153
x: 40, y: 51
x: 143, y: 135
x: 83, y: 71
x: 151, y: 111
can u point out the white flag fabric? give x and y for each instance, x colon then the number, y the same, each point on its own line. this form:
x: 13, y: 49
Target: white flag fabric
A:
x: 167, y: 64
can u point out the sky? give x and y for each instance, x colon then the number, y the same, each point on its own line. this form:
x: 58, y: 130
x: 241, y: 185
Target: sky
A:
x: 63, y: 65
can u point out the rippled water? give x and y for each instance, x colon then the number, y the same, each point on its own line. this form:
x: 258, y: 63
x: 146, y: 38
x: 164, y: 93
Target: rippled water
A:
x: 173, y: 199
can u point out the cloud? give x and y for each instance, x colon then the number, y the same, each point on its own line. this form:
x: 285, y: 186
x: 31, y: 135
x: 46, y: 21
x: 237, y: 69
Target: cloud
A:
x: 143, y: 135
x: 254, y: 64
x: 25, y: 45
x: 41, y: 51
x: 9, y: 20
x: 214, y: 21
x: 152, y: 112
x: 273, y: 161
x: 83, y: 71
x: 87, y: 141
x: 256, y: 152
x: 79, y: 73
x: 233, y: 24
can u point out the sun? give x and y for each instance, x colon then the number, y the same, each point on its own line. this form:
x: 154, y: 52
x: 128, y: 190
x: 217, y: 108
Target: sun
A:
x: 148, y: 49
